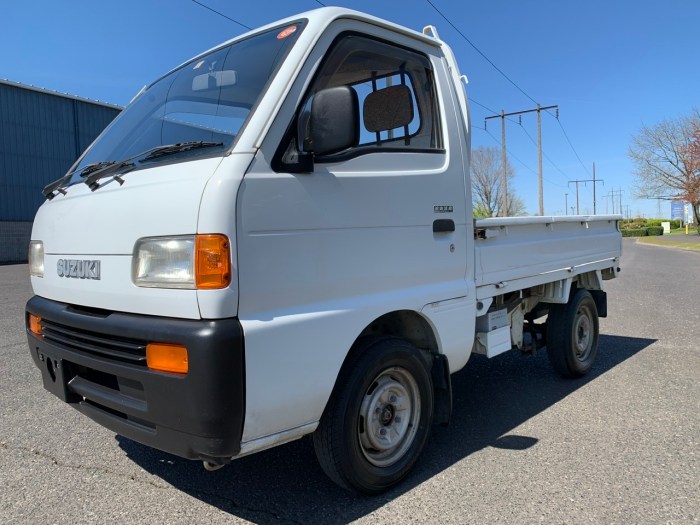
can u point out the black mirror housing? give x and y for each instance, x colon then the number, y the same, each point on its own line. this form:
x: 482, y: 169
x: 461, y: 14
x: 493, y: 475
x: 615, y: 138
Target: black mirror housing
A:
x: 333, y: 123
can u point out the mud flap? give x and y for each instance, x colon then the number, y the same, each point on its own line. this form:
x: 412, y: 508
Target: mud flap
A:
x: 442, y: 386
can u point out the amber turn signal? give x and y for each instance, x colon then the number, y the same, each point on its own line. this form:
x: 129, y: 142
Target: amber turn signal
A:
x: 35, y: 325
x: 212, y: 262
x: 166, y: 357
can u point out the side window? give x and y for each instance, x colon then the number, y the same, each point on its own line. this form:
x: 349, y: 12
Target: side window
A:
x: 395, y: 89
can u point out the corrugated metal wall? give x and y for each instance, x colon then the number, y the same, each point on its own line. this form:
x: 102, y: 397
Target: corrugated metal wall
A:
x: 41, y: 135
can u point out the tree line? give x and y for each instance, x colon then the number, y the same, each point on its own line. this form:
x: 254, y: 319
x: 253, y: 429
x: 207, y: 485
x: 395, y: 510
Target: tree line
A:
x: 666, y: 158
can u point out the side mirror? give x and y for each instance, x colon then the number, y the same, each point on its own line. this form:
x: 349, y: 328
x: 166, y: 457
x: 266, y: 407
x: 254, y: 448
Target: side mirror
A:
x: 330, y: 123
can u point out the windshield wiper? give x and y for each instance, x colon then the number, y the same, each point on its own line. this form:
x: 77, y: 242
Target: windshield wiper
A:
x: 58, y: 185
x: 91, y: 168
x: 92, y: 173
x: 109, y: 168
x: 55, y: 186
x: 171, y: 149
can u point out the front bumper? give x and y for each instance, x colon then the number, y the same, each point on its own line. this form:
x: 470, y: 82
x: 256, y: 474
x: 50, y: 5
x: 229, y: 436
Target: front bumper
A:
x: 95, y: 360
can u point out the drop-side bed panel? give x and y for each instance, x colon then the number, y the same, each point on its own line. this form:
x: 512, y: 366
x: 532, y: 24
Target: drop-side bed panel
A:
x: 515, y: 248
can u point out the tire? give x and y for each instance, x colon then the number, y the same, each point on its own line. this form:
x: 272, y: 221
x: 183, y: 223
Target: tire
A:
x: 378, y: 418
x: 572, y: 335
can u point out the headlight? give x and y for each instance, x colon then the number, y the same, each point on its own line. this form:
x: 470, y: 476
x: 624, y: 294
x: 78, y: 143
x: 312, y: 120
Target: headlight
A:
x: 188, y: 261
x: 164, y: 262
x: 36, y: 258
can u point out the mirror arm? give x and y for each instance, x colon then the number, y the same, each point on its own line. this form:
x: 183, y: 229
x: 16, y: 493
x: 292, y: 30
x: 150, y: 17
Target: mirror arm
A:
x: 303, y: 164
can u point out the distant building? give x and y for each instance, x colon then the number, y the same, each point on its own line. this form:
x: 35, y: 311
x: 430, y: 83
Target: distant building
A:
x: 42, y: 133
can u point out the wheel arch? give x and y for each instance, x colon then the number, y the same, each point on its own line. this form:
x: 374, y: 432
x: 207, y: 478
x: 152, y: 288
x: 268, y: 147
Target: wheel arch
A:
x: 417, y: 330
x: 406, y: 324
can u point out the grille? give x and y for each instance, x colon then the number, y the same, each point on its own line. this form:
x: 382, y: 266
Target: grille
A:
x: 112, y: 347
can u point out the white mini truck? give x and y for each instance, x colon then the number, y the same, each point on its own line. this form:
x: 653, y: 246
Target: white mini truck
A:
x: 276, y: 239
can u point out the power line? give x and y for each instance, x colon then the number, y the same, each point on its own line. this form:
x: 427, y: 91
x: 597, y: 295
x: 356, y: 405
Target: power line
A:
x: 480, y: 52
x: 321, y: 3
x: 495, y: 139
x: 566, y: 136
x: 546, y: 156
x: 535, y: 143
x: 503, y: 116
x: 554, y: 165
x: 509, y: 152
x: 512, y: 82
x: 221, y: 14
x: 481, y: 105
x: 594, y: 181
x: 611, y: 195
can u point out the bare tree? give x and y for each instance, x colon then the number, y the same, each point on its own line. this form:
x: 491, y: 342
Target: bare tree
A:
x: 516, y: 206
x: 666, y: 158
x: 486, y: 173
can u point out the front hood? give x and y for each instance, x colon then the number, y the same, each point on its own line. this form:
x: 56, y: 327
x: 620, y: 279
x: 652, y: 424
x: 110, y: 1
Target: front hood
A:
x: 156, y: 201
x: 104, y: 226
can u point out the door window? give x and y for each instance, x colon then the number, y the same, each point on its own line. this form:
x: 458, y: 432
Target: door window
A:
x: 396, y: 92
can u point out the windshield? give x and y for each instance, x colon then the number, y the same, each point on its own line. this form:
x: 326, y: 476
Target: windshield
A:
x: 207, y: 100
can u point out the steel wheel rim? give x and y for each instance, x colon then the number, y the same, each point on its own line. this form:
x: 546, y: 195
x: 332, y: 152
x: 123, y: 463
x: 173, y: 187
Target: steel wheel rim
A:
x: 583, y: 333
x: 389, y: 417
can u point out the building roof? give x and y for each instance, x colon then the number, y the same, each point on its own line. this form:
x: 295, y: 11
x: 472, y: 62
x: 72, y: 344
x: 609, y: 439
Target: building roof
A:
x: 58, y: 94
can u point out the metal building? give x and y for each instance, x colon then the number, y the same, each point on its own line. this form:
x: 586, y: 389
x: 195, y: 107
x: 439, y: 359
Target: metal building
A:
x: 41, y: 134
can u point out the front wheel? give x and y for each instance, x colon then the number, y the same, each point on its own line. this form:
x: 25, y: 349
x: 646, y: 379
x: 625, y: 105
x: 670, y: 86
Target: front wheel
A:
x: 572, y: 335
x: 378, y: 418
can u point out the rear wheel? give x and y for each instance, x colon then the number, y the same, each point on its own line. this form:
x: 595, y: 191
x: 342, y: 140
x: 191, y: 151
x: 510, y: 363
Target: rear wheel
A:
x: 378, y: 418
x: 572, y: 335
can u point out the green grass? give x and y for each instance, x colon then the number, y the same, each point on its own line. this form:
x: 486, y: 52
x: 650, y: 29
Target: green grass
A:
x: 660, y: 241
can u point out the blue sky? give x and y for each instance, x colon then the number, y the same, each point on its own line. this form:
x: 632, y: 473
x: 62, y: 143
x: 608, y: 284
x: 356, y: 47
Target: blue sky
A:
x: 610, y: 65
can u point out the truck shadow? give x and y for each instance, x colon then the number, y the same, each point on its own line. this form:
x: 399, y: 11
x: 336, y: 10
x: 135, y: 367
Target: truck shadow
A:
x: 285, y: 484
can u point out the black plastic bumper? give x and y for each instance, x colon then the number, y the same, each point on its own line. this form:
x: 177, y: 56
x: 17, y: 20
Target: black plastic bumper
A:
x: 95, y: 360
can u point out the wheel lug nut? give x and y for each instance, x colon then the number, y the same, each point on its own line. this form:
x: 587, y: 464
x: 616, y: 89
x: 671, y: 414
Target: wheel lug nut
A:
x: 377, y: 410
x: 397, y: 419
x: 382, y: 431
x: 392, y: 399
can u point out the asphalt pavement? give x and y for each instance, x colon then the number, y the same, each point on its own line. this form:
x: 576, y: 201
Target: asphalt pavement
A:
x: 525, y: 446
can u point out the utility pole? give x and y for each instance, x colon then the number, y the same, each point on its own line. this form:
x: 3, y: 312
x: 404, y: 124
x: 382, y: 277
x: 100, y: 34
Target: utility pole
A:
x: 539, y: 160
x: 593, y: 180
x: 611, y: 196
x: 566, y: 204
x: 504, y: 175
x: 594, y: 189
x: 621, y: 192
x: 504, y: 186
x: 576, y: 182
x: 616, y: 193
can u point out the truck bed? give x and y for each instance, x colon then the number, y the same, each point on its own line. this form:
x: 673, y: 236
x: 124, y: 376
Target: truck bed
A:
x: 512, y: 253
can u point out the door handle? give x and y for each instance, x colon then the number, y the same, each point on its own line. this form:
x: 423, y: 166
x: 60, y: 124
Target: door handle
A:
x: 443, y: 225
